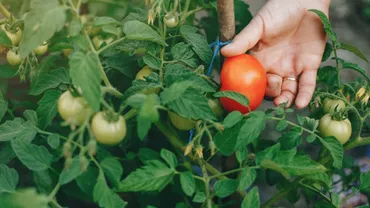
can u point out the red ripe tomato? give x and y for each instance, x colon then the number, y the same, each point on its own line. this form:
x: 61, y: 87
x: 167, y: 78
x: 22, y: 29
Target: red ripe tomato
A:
x: 243, y: 74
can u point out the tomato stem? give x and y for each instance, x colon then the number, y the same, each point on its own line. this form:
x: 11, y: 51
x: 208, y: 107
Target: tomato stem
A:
x: 54, y: 192
x: 4, y: 11
x: 206, y: 185
x: 336, y: 62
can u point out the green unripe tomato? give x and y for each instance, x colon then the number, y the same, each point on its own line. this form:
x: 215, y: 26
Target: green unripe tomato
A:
x: 108, y: 132
x: 171, y: 20
x: 74, y: 110
x: 341, y: 130
x: 144, y: 72
x: 13, y: 58
x: 15, y: 38
x: 330, y: 105
x: 41, y: 49
x: 181, y: 123
x: 216, y: 107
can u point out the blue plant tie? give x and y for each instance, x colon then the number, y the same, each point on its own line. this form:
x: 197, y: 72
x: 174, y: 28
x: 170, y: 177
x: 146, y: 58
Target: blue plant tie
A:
x: 217, y: 44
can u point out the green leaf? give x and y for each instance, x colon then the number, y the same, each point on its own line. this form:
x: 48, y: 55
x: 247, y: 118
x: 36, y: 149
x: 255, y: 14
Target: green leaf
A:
x: 7, y: 71
x: 44, y: 19
x: 225, y: 187
x: 104, y: 196
x: 49, y: 80
x: 364, y: 181
x: 353, y: 49
x: 152, y: 177
x: 152, y: 61
x: 327, y: 26
x: 87, y: 180
x: 197, y: 41
x: 187, y: 183
x: 136, y: 30
x: 311, y: 138
x: 111, y: 29
x: 252, y: 199
x: 246, y: 178
x: 140, y: 86
x: 3, y: 106
x: 240, y: 98
x: 226, y: 140
x: 177, y: 73
x: 251, y: 129
x: 321, y: 178
x: 335, y: 149
x: 268, y: 153
x: 328, y: 51
x: 355, y: 67
x: 281, y: 125
x: 24, y: 198
x: 85, y: 74
x: 11, y: 129
x: 193, y: 104
x: 100, y: 21
x: 53, y: 141
x: 72, y: 172
x: 36, y: 158
x: 43, y: 181
x: 4, y: 39
x: 183, y: 52
x: 148, y: 114
x: 175, y: 91
x: 199, y: 197
x: 241, y: 155
x: 232, y: 119
x: 113, y: 169
x: 327, y: 75
x: 31, y: 116
x: 75, y: 27
x: 48, y: 107
x: 181, y: 205
x: 291, y: 139
x: 146, y: 154
x: 8, y: 179
x: 169, y: 157
x: 6, y: 153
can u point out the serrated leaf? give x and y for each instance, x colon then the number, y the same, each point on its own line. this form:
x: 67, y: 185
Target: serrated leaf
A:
x: 152, y: 177
x: 10, y: 129
x: 246, y: 178
x: 335, y: 149
x: 31, y: 117
x: 152, y: 62
x: 232, y: 119
x: 268, y: 153
x: 146, y: 154
x: 100, y: 21
x: 177, y: 73
x: 365, y: 181
x: 36, y: 158
x: 72, y: 172
x: 49, y: 80
x: 321, y: 178
x: 8, y: 179
x: 136, y: 30
x: 44, y: 19
x: 175, y: 91
x: 353, y: 49
x: 252, y: 199
x: 193, y: 104
x: 199, y: 197
x: 169, y: 157
x: 326, y: 23
x: 311, y: 138
x: 85, y: 74
x: 327, y: 53
x: 327, y: 75
x: 6, y: 153
x: 3, y: 106
x: 75, y: 27
x: 281, y: 125
x: 251, y: 129
x: 225, y: 187
x: 48, y: 107
x: 148, y: 114
x: 226, y: 140
x: 355, y: 67
x: 182, y: 52
x: 87, y: 180
x: 104, y: 196
x: 187, y: 183
x: 140, y: 86
x: 240, y: 98
x: 53, y: 141
x: 291, y: 139
x: 113, y: 170
x: 198, y: 42
x: 43, y: 181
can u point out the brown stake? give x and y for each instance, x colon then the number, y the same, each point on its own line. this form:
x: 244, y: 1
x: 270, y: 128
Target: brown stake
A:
x: 226, y: 19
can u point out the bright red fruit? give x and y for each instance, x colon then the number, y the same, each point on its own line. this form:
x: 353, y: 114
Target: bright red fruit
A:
x: 243, y: 74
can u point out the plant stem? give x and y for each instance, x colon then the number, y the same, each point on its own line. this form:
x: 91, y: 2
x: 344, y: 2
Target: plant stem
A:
x: 55, y: 203
x: 295, y: 125
x: 130, y: 114
x: 4, y: 11
x: 232, y: 171
x: 54, y: 192
x: 336, y: 62
x: 199, y: 178
x: 315, y: 191
x: 206, y: 185
x: 110, y: 45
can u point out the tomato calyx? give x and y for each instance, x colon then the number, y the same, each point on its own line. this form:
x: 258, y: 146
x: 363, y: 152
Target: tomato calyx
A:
x: 110, y: 116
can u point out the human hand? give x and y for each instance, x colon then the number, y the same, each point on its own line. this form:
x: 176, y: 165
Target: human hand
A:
x: 289, y: 41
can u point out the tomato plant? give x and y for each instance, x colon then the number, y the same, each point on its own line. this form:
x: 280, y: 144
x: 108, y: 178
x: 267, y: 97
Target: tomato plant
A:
x: 120, y: 109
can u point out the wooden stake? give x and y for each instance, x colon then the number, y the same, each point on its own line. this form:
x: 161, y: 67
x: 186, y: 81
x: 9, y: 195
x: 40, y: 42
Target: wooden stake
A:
x: 226, y: 19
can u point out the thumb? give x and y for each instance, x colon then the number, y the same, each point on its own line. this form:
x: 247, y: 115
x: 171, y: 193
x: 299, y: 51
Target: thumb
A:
x: 246, y: 39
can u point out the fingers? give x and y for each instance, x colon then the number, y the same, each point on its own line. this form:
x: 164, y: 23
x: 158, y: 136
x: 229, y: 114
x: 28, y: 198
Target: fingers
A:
x: 307, y: 84
x: 274, y: 83
x: 289, y: 90
x: 246, y: 39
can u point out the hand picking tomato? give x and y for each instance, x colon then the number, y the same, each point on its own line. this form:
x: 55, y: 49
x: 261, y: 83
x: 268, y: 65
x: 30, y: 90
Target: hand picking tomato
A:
x: 341, y: 130
x: 13, y: 58
x: 330, y: 105
x: 108, y: 132
x: 243, y: 74
x: 74, y: 110
x: 181, y: 123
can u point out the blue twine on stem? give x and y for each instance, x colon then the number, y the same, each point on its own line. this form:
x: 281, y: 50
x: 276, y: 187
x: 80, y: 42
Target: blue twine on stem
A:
x: 217, y: 44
